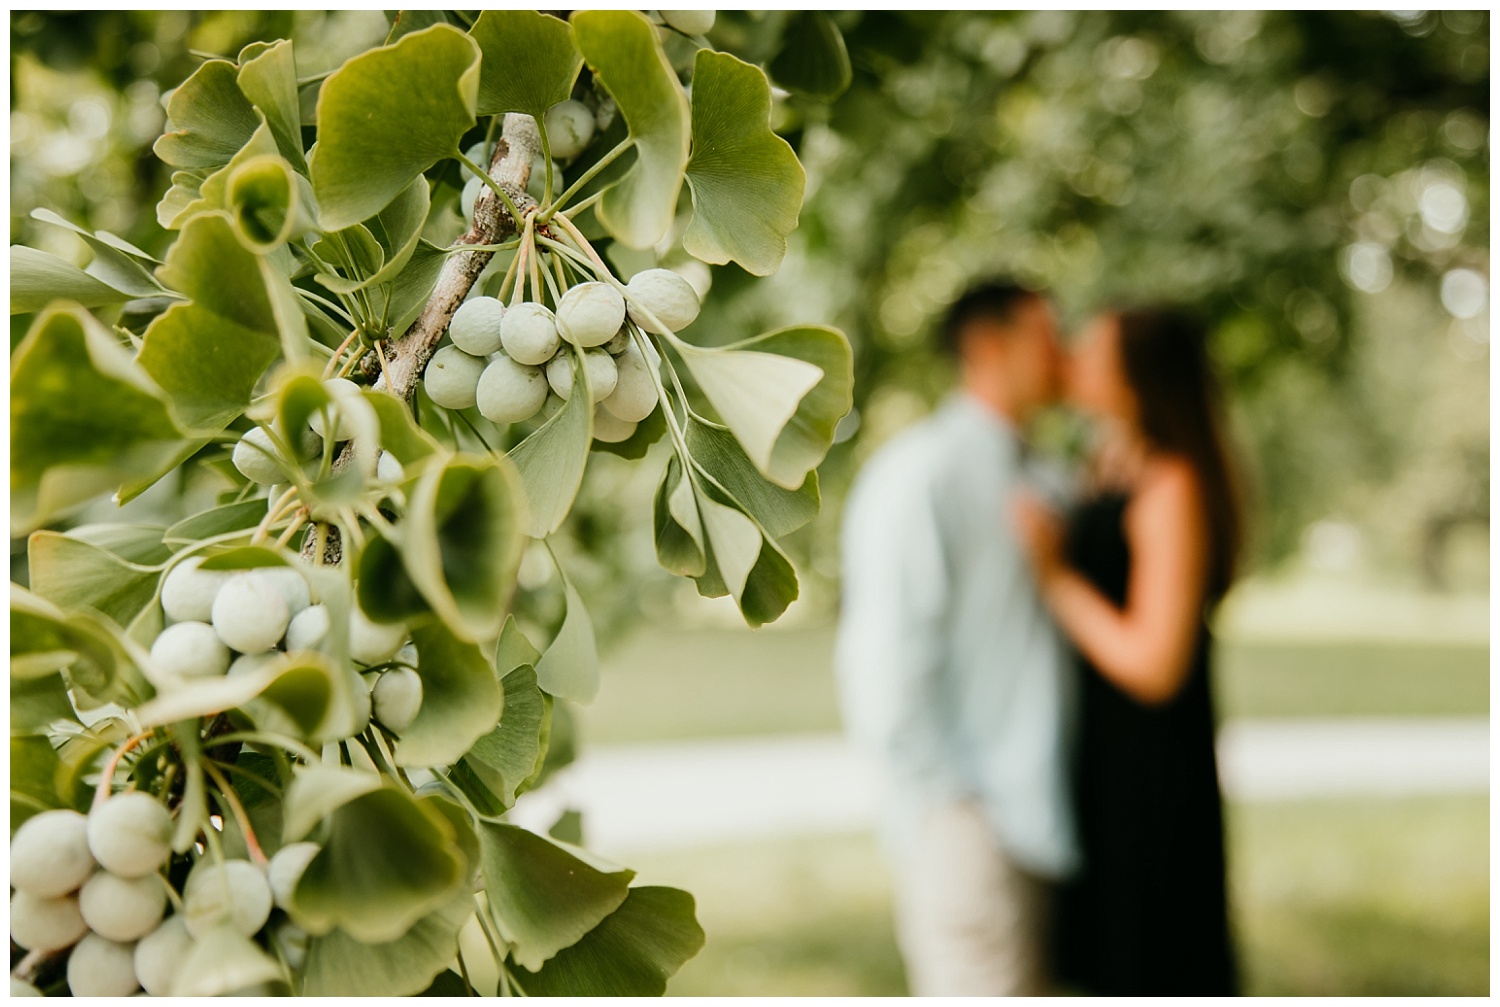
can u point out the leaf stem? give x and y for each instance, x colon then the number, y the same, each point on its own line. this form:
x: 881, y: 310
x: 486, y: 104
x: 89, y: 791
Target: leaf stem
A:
x: 586, y: 177
x: 292, y: 745
x: 541, y: 130
x: 226, y: 789
x: 106, y: 780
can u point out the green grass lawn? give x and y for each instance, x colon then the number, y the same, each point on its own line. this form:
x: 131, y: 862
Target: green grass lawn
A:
x: 712, y: 683
x: 1331, y: 898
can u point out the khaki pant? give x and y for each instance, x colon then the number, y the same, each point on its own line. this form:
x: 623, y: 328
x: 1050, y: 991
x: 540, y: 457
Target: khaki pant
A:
x: 969, y: 921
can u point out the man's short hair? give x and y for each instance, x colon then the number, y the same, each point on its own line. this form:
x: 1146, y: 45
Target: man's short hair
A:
x: 995, y: 299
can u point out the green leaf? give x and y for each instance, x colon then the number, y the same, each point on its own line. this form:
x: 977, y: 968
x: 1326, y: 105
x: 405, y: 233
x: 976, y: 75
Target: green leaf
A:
x: 84, y: 417
x: 99, y: 663
x: 530, y: 62
x: 782, y: 394
x: 37, y: 702
x: 270, y: 203
x: 542, y: 898
x: 399, y: 433
x: 242, y: 516
x: 74, y: 574
x: 291, y: 694
x: 679, y: 529
x: 317, y: 792
x: 514, y: 649
x: 134, y: 543
x: 38, y: 278
x: 177, y: 201
x: 209, y: 354
x: 116, y: 261
x: 622, y: 48
x: 506, y: 757
x: 551, y: 461
x: 223, y: 961
x: 269, y: 80
x: 338, y: 965
x: 404, y: 22
x: 718, y: 455
x: 388, y: 115
x: 633, y: 952
x: 211, y: 118
x: 413, y: 285
x: 813, y: 60
x: 211, y: 192
x: 388, y: 861
x: 570, y: 667
x: 298, y: 394
x: 461, y: 699
x: 747, y: 183
x: 34, y: 773
x: 461, y: 542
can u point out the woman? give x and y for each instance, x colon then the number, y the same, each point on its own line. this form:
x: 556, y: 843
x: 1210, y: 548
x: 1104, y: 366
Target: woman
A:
x: 1130, y: 579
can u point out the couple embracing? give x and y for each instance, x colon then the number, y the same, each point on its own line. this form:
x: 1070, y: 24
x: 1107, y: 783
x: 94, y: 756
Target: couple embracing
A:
x: 1025, y: 652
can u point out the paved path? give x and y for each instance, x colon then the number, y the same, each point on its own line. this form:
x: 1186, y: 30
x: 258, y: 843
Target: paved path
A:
x: 699, y: 792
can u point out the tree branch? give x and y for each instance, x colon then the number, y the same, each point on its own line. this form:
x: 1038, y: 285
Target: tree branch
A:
x: 511, y: 170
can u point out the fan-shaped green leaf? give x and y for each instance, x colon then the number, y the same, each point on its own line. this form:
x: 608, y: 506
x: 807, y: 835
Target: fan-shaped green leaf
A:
x: 506, y: 757
x: 542, y: 898
x: 633, y: 952
x: 211, y: 118
x: 622, y: 48
x: 461, y: 699
x: 813, y: 60
x: 338, y: 965
x: 116, y: 261
x: 268, y: 78
x: 386, y: 116
x: 530, y: 61
x: 38, y: 278
x: 388, y: 861
x: 679, y: 529
x: 570, y: 666
x: 84, y: 417
x: 746, y: 181
x: 718, y: 455
x: 552, y: 459
x: 223, y: 961
x: 76, y: 574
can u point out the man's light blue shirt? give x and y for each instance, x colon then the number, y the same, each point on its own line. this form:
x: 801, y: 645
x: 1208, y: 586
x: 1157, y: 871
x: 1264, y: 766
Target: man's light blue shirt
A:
x: 950, y: 671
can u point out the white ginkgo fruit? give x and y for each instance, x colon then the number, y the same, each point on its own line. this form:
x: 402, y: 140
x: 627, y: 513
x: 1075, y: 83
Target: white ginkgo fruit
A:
x: 510, y: 392
x: 122, y: 909
x: 45, y: 924
x: 634, y: 395
x: 337, y: 388
x: 187, y: 593
x: 590, y: 314
x: 601, y: 370
x: 250, y: 614
x: 570, y: 127
x: 689, y: 22
x: 285, y: 869
x: 408, y: 655
x: 552, y: 406
x: 187, y: 650
x: 664, y: 295
x: 234, y: 891
x: 372, y: 642
x: 289, y: 583
x: 100, y: 967
x: 308, y: 628
x: 475, y: 327
x: 398, y: 698
x: 388, y: 469
x: 528, y: 333
x: 452, y: 378
x: 160, y: 954
x: 130, y: 834
x: 49, y: 854
x: 256, y: 458
x: 609, y: 428
x: 469, y: 196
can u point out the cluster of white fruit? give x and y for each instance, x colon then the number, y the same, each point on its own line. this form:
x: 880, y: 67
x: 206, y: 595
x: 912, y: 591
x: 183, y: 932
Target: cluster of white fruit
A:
x: 513, y: 363
x: 93, y: 883
x: 229, y: 622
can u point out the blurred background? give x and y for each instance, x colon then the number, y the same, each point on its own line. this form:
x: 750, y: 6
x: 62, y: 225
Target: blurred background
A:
x: 1318, y: 184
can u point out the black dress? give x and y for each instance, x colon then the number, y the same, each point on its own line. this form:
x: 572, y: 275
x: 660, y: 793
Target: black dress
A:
x: 1148, y: 913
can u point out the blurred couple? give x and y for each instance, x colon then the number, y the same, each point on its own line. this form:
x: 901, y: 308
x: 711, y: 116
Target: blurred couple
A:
x: 1025, y: 650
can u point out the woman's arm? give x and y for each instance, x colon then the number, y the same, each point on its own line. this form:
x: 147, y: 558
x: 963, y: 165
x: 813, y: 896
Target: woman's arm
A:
x: 1145, y: 648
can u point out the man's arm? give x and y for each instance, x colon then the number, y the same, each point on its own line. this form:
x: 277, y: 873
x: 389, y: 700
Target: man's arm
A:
x: 893, y: 631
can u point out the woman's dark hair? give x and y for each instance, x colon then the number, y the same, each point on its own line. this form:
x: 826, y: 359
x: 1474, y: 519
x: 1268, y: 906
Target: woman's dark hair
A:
x: 1164, y: 356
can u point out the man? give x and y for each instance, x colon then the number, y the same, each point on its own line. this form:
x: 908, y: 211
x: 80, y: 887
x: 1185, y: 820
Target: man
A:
x: 950, y: 671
